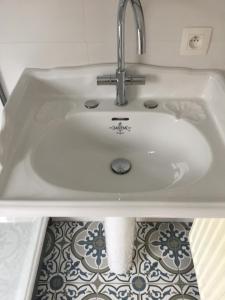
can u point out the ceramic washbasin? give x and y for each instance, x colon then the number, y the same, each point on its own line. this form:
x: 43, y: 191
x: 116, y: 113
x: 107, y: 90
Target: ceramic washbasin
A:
x: 56, y: 154
x: 76, y: 152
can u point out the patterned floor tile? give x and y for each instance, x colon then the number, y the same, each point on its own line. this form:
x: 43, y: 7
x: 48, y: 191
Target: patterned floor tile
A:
x: 154, y: 269
x: 75, y: 264
x: 162, y: 292
x: 137, y: 282
x: 188, y: 276
x: 143, y: 229
x: 64, y: 231
x: 74, y: 268
x: 51, y: 259
x: 88, y: 245
x: 60, y: 258
x: 190, y: 292
x: 57, y: 288
x: 169, y: 241
x: 187, y: 226
x: 117, y: 292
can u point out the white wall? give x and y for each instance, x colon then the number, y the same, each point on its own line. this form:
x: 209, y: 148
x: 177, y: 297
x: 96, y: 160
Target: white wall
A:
x: 207, y: 239
x: 49, y: 33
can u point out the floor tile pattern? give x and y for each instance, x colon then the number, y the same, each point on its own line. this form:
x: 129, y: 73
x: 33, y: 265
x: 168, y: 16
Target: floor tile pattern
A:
x: 75, y: 264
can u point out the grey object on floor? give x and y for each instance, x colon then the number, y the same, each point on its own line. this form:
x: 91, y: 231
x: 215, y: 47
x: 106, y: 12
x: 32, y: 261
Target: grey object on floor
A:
x: 75, y: 264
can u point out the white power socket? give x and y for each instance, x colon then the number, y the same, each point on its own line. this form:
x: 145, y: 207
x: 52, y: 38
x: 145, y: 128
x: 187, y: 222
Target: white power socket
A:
x: 195, y: 40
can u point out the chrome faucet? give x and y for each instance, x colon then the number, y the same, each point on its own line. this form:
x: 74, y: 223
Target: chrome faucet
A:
x: 121, y: 79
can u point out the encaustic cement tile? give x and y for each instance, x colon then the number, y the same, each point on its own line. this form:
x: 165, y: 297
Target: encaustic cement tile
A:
x: 88, y: 244
x: 117, y: 292
x: 61, y: 259
x: 75, y: 264
x: 188, y: 276
x: 58, y: 288
x: 169, y: 242
x: 162, y: 292
x: 153, y: 270
x: 143, y: 229
x: 190, y: 292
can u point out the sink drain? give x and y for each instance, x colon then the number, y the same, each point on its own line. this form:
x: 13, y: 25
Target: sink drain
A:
x: 121, y: 166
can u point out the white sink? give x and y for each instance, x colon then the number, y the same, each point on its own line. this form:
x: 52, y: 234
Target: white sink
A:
x: 76, y: 152
x: 56, y: 154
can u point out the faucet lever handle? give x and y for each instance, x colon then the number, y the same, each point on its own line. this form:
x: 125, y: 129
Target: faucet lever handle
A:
x: 135, y: 80
x: 107, y: 80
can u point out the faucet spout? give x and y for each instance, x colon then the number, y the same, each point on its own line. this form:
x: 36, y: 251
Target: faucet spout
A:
x: 140, y: 25
x: 139, y: 17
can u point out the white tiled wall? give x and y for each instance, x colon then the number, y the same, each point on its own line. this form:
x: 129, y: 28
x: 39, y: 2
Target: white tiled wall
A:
x: 49, y: 33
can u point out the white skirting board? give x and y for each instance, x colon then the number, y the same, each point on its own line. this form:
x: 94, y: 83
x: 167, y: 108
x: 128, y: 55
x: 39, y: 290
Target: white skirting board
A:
x: 207, y: 239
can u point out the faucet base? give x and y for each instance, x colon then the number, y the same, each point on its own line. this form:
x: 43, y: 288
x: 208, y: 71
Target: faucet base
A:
x: 121, y: 80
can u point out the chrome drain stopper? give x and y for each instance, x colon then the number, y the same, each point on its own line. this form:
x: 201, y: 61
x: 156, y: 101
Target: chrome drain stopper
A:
x: 151, y: 104
x: 121, y: 166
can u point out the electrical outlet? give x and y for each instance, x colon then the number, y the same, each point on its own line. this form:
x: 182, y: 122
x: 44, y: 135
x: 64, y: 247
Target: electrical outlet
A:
x: 195, y: 40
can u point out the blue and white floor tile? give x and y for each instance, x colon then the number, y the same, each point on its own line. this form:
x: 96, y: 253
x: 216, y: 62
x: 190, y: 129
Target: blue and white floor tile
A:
x: 169, y: 242
x: 75, y: 264
x: 153, y: 269
x: 190, y: 292
x: 188, y: 277
x: 163, y: 292
x: 88, y: 244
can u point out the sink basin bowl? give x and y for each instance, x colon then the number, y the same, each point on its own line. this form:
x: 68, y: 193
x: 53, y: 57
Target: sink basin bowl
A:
x: 56, y: 155
x: 76, y: 153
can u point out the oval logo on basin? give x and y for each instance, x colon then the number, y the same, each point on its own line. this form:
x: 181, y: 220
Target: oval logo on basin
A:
x: 120, y: 128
